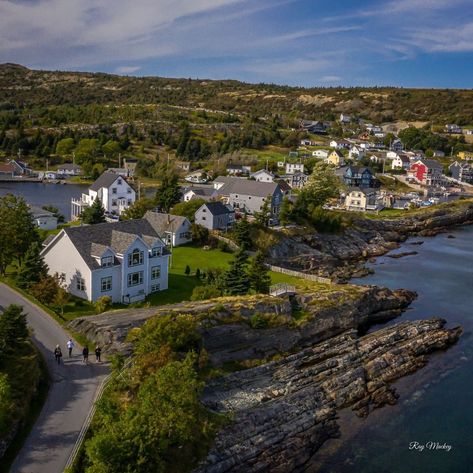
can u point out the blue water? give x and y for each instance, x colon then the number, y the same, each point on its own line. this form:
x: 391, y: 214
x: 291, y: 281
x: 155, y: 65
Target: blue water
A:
x: 39, y: 194
x: 436, y: 403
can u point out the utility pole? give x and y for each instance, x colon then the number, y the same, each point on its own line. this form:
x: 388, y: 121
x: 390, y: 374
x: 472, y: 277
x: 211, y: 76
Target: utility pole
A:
x: 119, y: 160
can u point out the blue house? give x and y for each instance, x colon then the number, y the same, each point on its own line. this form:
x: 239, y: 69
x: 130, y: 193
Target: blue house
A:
x: 360, y: 177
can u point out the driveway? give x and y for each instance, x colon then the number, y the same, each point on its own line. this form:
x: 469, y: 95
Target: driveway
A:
x: 72, y: 393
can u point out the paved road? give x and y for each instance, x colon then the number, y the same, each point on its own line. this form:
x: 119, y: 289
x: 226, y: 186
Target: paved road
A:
x: 72, y: 393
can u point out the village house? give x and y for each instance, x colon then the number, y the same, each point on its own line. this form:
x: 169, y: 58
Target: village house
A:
x: 295, y: 181
x: 129, y: 164
x: 69, y: 170
x: 204, y: 193
x: 113, y: 191
x: 453, y: 128
x: 340, y: 144
x: 215, y: 216
x: 305, y: 142
x: 344, y: 118
x: 263, y: 176
x: 315, y: 127
x: 427, y: 171
x: 292, y: 168
x: 238, y: 170
x: 125, y: 260
x: 462, y: 172
x: 320, y: 153
x: 360, y: 177
x: 197, y: 177
x: 361, y: 199
x: 397, y: 146
x: 401, y: 161
x: 438, y: 154
x: 335, y: 158
x: 43, y: 219
x: 248, y: 196
x: 356, y: 152
x: 15, y: 168
x: 174, y: 230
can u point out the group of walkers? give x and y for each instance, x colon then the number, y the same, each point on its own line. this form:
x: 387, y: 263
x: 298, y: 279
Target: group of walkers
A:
x: 85, y: 352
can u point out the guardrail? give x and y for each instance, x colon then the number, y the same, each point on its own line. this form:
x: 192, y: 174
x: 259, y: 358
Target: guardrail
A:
x: 299, y: 274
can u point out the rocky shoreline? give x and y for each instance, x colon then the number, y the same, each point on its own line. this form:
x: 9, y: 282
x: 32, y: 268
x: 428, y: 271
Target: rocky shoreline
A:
x: 343, y: 256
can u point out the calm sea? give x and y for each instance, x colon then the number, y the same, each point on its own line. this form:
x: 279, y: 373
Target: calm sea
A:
x: 431, y: 428
x: 36, y: 193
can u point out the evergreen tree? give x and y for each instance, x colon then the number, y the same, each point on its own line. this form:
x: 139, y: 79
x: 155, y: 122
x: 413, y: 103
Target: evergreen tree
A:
x: 285, y: 211
x: 169, y: 192
x: 187, y: 271
x: 13, y: 329
x: 258, y: 274
x: 263, y: 217
x: 138, y: 209
x: 242, y: 233
x: 94, y: 214
x: 32, y: 268
x: 236, y: 280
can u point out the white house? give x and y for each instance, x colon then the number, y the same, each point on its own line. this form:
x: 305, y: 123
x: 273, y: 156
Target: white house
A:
x: 69, y: 169
x: 344, y: 118
x: 193, y: 193
x: 113, y: 191
x: 401, y: 161
x: 43, y: 219
x: 340, y: 144
x: 360, y: 199
x: 174, y: 230
x: 292, y: 168
x: 320, y: 153
x: 356, y: 152
x: 197, y: 177
x: 124, y: 260
x: 263, y: 176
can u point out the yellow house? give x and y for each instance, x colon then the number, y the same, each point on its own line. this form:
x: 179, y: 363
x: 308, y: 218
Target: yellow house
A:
x: 467, y: 155
x: 336, y: 158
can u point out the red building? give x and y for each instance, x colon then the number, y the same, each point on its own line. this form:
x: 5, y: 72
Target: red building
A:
x: 427, y: 171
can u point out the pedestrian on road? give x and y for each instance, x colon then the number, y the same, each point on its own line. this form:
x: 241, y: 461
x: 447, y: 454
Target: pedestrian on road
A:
x: 70, y: 346
x: 85, y: 354
x: 98, y: 352
x: 58, y: 354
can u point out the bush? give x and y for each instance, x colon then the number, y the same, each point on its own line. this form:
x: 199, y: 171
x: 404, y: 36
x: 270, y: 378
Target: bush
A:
x: 200, y: 234
x: 223, y: 246
x: 202, y: 293
x: 258, y: 321
x: 45, y: 290
x: 102, y: 304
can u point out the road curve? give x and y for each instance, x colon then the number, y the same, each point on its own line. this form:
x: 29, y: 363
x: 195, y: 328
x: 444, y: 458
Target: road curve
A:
x: 72, y: 393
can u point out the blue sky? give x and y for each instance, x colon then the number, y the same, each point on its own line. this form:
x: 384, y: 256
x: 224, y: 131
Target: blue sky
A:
x: 411, y: 43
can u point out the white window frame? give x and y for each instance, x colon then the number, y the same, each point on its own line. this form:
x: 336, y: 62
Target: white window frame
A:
x: 106, y: 261
x: 131, y: 258
x: 130, y: 278
x: 156, y: 272
x: 156, y: 251
x: 106, y: 284
x: 80, y: 284
x: 155, y: 287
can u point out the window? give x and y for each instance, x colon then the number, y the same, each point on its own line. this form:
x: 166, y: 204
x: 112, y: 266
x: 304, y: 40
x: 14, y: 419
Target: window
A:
x: 134, y: 279
x: 135, y: 258
x: 80, y: 284
x: 204, y: 218
x: 204, y: 210
x: 114, y: 190
x: 114, y: 202
x: 128, y: 202
x: 119, y: 182
x: 155, y: 272
x: 184, y: 235
x: 128, y: 191
x: 106, y: 284
x: 157, y: 251
x: 107, y: 261
x: 155, y: 287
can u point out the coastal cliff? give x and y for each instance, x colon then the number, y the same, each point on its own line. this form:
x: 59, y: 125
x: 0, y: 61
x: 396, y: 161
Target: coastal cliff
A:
x: 283, y: 411
x: 342, y: 256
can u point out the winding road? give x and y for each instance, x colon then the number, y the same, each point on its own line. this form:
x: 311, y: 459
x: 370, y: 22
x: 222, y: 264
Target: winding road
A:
x: 73, y: 390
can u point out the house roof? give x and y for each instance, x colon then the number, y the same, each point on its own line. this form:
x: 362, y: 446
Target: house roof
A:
x: 364, y: 190
x: 248, y: 187
x: 92, y: 240
x: 163, y: 223
x: 202, y: 191
x: 39, y: 212
x: 337, y: 152
x: 431, y: 163
x: 283, y: 185
x: 69, y: 167
x: 217, y: 208
x: 404, y: 158
x: 105, y: 180
x: 6, y: 167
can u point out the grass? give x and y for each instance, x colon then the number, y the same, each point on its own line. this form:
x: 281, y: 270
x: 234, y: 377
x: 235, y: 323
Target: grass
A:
x: 393, y: 184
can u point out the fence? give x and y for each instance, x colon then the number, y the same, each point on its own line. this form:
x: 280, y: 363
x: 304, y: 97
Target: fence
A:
x: 299, y: 274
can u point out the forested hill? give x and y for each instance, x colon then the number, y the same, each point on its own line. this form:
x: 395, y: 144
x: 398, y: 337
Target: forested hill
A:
x: 25, y: 89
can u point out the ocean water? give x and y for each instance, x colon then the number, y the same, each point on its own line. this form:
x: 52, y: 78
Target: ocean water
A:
x: 430, y: 430
x: 39, y: 194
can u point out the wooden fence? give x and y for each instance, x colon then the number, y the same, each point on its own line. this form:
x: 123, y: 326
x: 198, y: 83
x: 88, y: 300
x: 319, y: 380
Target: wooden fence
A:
x: 299, y: 274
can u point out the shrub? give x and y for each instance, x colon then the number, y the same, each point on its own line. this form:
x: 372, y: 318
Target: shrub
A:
x: 258, y: 321
x: 223, y: 246
x: 202, y: 293
x: 102, y: 304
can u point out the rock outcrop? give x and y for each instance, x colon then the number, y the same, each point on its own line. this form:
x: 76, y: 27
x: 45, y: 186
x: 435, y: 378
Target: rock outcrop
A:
x: 343, y: 255
x: 226, y: 323
x: 283, y: 411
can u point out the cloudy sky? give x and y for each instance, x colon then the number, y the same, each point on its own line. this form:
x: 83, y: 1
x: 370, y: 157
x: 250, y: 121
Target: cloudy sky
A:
x: 298, y: 42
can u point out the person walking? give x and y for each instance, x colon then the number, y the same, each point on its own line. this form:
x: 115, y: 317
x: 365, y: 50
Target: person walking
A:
x: 58, y: 354
x: 85, y: 354
x: 98, y: 352
x: 70, y: 346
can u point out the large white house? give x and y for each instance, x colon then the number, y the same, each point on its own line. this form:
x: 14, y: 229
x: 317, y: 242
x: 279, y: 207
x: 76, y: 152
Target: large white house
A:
x: 124, y: 260
x: 113, y: 191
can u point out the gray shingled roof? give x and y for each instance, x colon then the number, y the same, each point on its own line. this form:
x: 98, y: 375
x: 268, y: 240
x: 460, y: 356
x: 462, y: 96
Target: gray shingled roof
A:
x: 162, y: 223
x: 247, y: 187
x: 105, y: 180
x: 39, y: 212
x: 217, y: 208
x: 69, y: 166
x: 90, y: 239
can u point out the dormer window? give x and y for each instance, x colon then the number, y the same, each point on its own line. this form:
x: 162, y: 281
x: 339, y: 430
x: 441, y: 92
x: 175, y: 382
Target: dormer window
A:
x: 114, y: 190
x: 106, y: 261
x: 156, y: 251
x: 135, y: 258
x: 119, y: 182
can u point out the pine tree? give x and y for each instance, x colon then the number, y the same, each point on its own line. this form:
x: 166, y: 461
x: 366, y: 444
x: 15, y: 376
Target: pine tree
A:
x: 187, y: 271
x: 258, y: 273
x: 169, y: 192
x: 94, y: 214
x: 285, y: 212
x: 242, y: 233
x: 13, y: 329
x: 236, y: 280
x: 32, y: 268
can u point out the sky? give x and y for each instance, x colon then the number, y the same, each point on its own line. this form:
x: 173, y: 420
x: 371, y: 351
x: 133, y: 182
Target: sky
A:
x: 409, y: 43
